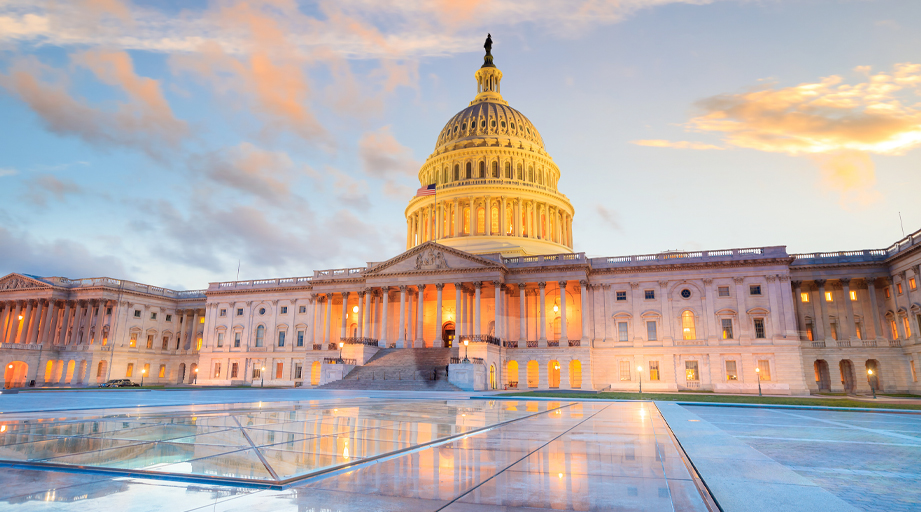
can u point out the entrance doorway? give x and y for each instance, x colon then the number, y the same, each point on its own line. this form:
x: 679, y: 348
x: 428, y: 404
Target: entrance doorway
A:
x: 822, y: 378
x: 873, y: 364
x: 553, y: 373
x: 14, y: 376
x: 847, y: 375
x: 447, y: 334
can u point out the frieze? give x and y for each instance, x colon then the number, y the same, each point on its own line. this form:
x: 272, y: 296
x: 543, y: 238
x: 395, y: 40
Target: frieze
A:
x: 19, y: 283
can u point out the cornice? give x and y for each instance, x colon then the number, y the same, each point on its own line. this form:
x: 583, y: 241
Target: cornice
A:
x: 692, y: 266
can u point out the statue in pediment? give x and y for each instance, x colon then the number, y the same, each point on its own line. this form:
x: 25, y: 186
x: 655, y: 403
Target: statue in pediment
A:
x: 431, y: 260
x: 17, y: 283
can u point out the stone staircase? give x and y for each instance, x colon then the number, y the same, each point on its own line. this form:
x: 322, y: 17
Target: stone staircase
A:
x: 409, y: 369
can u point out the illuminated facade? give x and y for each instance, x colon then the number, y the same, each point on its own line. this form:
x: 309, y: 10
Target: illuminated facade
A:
x: 490, y: 259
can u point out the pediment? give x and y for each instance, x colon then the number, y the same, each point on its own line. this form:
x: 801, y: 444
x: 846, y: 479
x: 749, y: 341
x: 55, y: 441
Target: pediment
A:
x: 16, y: 281
x: 433, y: 257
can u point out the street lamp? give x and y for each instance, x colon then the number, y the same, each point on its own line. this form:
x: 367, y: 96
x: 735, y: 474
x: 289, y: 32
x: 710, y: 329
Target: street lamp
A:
x: 195, y: 376
x: 261, y: 374
x: 340, y: 351
x: 639, y: 373
x: 872, y: 387
x: 466, y: 341
x: 142, y: 376
x: 758, y: 371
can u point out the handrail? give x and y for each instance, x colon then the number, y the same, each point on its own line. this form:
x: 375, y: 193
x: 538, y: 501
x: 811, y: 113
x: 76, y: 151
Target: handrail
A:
x: 479, y: 338
x: 371, y: 342
x: 474, y: 360
x: 339, y: 360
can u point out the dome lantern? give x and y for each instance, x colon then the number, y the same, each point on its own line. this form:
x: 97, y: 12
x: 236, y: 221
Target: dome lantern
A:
x: 488, y: 79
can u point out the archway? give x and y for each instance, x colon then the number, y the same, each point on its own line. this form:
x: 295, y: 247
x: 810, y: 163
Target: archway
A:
x: 553, y: 373
x: 81, y: 373
x: 575, y: 374
x: 533, y: 371
x: 511, y: 373
x: 847, y: 375
x: 822, y: 378
x: 181, y: 373
x: 71, y: 367
x: 193, y: 373
x: 315, y: 373
x: 447, y: 334
x: 14, y: 376
x: 49, y: 370
x: 492, y: 376
x: 874, y: 380
x: 101, y: 369
x: 353, y: 329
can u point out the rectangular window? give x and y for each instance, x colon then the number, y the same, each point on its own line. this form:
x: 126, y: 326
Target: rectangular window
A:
x: 912, y: 284
x: 759, y: 328
x: 907, y: 325
x: 239, y: 311
x: 859, y: 330
x: 650, y: 294
x: 300, y: 338
x: 898, y: 288
x: 153, y: 316
x: 201, y: 320
x: 130, y: 370
x: 834, y: 330
x: 162, y: 373
x: 284, y: 310
x: 727, y: 328
x: 651, y: 331
x: 165, y: 345
x: 653, y: 370
x: 625, y: 370
x: 236, y: 340
x: 622, y: 296
x: 281, y: 339
x: 146, y: 370
x: 690, y: 371
x: 829, y: 297
x: 257, y: 372
x: 853, y: 295
x: 888, y: 293
x: 723, y: 291
x: 223, y: 312
x: 894, y: 329
x: 233, y: 370
x: 217, y: 371
x: 169, y: 318
x: 278, y: 371
x: 731, y: 373
x: 298, y: 370
x: 918, y: 318
x: 622, y: 333
x: 108, y: 311
x: 804, y: 297
x: 754, y: 289
x: 810, y: 334
x: 220, y: 339
x: 133, y: 342
x: 765, y: 366
x: 137, y: 313
x: 150, y: 341
x: 303, y: 309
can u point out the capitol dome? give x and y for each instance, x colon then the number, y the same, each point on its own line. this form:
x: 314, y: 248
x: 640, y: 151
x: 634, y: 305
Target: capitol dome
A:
x: 490, y: 186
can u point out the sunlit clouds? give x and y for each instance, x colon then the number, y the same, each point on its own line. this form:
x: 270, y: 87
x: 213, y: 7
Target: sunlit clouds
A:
x: 678, y: 144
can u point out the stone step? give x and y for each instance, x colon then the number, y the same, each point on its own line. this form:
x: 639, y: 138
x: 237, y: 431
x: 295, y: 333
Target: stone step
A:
x: 396, y: 385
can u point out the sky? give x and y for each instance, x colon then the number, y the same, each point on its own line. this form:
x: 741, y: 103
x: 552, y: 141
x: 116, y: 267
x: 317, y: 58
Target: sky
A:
x: 174, y: 142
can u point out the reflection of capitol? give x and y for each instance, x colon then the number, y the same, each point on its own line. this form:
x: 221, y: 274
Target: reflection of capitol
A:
x: 490, y: 259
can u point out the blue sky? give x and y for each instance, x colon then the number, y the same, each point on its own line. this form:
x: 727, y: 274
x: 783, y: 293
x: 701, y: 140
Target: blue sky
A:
x: 163, y: 142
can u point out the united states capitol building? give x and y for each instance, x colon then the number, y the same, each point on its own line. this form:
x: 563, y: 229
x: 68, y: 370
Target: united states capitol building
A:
x: 490, y: 260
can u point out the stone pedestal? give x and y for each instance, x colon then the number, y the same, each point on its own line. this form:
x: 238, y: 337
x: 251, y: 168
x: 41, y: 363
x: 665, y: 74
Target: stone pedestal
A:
x: 467, y: 376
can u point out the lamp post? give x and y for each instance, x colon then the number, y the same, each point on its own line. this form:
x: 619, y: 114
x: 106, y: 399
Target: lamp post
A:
x: 261, y: 374
x: 758, y: 371
x: 340, y: 351
x: 639, y: 373
x: 143, y: 371
x: 466, y: 341
x: 872, y: 387
x: 194, y: 376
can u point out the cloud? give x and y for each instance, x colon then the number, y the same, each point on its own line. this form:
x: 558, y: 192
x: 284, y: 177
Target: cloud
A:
x: 680, y: 144
x: 252, y: 171
x: 21, y: 253
x: 610, y: 217
x: 47, y: 184
x: 383, y: 157
x: 8, y: 171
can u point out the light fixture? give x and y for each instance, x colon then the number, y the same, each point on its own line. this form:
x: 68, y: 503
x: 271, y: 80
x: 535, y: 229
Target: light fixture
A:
x: 354, y: 309
x: 20, y: 317
x: 10, y: 366
x: 556, y: 309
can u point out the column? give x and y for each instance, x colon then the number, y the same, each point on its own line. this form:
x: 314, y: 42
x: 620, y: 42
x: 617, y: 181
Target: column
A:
x: 893, y: 305
x: 744, y: 336
x: 477, y: 329
x: 65, y: 323
x: 522, y: 319
x: 420, y: 316
x: 385, y: 316
x: 12, y: 330
x: 439, y: 342
x: 410, y: 293
x: 666, y: 313
x: 100, y: 321
x: 401, y: 336
x: 345, y: 316
x: 362, y: 294
x: 462, y: 328
x: 26, y: 321
x: 458, y: 326
x: 192, y: 342
x: 773, y: 289
x: 583, y: 297
x: 81, y: 317
x: 366, y: 315
x: 639, y: 327
x: 50, y: 332
x: 457, y: 218
x: 328, y: 330
x: 709, y: 313
x: 312, y: 321
x: 564, y: 333
x: 409, y: 233
x: 4, y: 316
x: 46, y: 324
x: 824, y: 308
x: 849, y: 309
x: 503, y: 227
x: 542, y: 314
x: 789, y: 308
x: 797, y: 299
x: 34, y: 324
x: 497, y: 309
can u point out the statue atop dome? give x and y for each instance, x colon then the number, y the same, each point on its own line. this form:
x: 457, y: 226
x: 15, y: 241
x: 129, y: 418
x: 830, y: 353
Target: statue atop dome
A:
x: 488, y: 44
x: 487, y: 59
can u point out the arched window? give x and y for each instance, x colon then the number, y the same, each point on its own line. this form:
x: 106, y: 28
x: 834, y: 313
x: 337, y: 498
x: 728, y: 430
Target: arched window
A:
x: 260, y: 335
x: 553, y: 373
x: 480, y: 221
x: 511, y: 374
x: 482, y: 170
x: 469, y: 170
x: 524, y: 220
x: 494, y: 221
x: 495, y: 169
x: 687, y: 326
x: 508, y: 170
x: 510, y: 220
x: 520, y: 173
x: 553, y: 228
x: 540, y: 178
x: 467, y: 220
x: 456, y: 172
x: 542, y: 231
x: 531, y: 174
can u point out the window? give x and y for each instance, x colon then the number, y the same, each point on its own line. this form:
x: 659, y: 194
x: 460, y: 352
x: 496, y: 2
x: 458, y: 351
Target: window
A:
x: 236, y: 339
x: 765, y: 366
x: 223, y: 312
x: 217, y: 371
x: 109, y: 312
x: 759, y: 328
x: 690, y: 371
x: 687, y: 326
x: 650, y: 294
x: 651, y: 331
x: 165, y: 345
x: 260, y: 335
x: 281, y: 339
x: 162, y: 371
x: 810, y: 333
x: 622, y: 334
x: 829, y: 297
x: 898, y: 288
x: 834, y: 330
x: 278, y: 370
x: 300, y: 338
x: 130, y: 370
x: 622, y: 296
x: 653, y: 370
x: 201, y: 319
x: 625, y: 370
x: 754, y: 289
x: 284, y: 310
x: 150, y: 341
x: 685, y: 294
x: 233, y: 370
x: 146, y: 370
x: 895, y: 331
x: 859, y: 330
x: 137, y: 313
x: 907, y: 325
x: 727, y: 328
x: 257, y: 372
x: 914, y: 376
x: 804, y: 297
x: 239, y: 311
x: 303, y: 309
x: 133, y: 342
x: 153, y: 316
x: 169, y: 318
x: 220, y: 339
x: 888, y: 293
x: 912, y: 284
x: 298, y: 370
x: 723, y: 291
x: 731, y: 373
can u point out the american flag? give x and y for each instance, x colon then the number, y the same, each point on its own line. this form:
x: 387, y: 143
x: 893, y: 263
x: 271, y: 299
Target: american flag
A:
x: 426, y: 191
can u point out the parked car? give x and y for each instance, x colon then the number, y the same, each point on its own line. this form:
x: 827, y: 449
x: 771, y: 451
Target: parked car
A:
x: 119, y: 383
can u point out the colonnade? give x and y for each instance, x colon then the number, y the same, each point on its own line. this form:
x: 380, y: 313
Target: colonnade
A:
x: 460, y: 216
x: 53, y: 322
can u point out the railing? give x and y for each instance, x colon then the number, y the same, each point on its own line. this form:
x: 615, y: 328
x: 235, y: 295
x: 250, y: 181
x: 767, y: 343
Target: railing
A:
x: 392, y: 345
x: 122, y: 284
x: 532, y: 344
x: 553, y: 343
x: 844, y: 343
x: 513, y: 384
x: 318, y: 346
x: 338, y: 273
x: 575, y: 343
x: 869, y: 343
x: 510, y: 344
x: 261, y: 283
x: 479, y: 338
x: 371, y: 342
x: 564, y: 258
x: 818, y: 344
x: 693, y: 384
x: 671, y: 256
x: 474, y: 360
x: 895, y: 343
x: 332, y: 346
x: 339, y: 360
x: 496, y: 181
x: 690, y: 343
x: 864, y: 255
